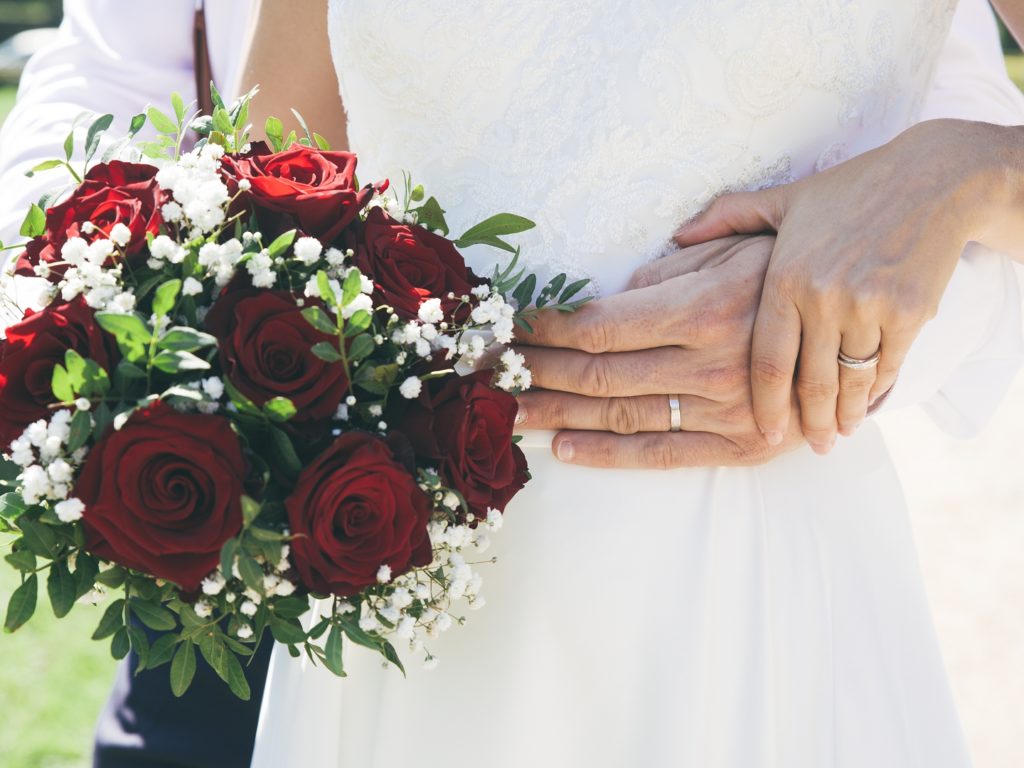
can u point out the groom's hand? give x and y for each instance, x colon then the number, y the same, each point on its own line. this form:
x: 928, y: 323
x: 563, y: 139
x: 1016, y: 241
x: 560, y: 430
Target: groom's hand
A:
x: 602, y: 375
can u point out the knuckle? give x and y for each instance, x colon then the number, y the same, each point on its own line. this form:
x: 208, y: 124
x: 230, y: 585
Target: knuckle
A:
x: 658, y: 454
x: 855, y: 385
x: 596, y: 377
x: 813, y: 390
x: 766, y: 371
x: 596, y: 334
x: 622, y: 415
x: 646, y: 276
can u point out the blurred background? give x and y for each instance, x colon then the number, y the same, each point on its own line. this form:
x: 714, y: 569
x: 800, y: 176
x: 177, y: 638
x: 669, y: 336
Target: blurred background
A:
x: 966, y: 500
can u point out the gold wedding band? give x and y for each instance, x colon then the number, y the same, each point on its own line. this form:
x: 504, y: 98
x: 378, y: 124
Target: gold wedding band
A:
x: 675, y: 414
x: 859, y: 363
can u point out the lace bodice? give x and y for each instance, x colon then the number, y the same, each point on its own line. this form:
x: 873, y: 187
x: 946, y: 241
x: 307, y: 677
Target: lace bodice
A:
x: 610, y: 122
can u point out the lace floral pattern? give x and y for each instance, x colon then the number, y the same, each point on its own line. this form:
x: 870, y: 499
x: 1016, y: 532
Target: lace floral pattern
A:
x: 610, y: 122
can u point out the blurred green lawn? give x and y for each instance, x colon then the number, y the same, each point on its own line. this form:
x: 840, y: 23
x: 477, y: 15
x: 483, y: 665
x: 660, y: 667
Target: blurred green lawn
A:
x: 53, y: 679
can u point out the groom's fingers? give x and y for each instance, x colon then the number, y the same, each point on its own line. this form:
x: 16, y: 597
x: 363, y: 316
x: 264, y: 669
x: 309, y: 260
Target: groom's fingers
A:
x: 657, y: 451
x: 627, y: 374
x: 622, y: 415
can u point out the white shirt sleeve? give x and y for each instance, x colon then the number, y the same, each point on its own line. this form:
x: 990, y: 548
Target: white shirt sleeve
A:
x: 109, y: 56
x: 966, y: 357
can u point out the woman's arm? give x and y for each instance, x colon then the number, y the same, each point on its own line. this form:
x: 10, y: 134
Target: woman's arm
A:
x: 289, y: 57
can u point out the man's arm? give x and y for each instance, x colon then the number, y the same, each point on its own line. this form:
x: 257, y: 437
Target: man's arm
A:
x: 110, y: 56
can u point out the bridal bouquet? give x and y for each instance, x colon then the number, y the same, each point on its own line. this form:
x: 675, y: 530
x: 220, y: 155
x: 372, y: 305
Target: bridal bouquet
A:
x: 253, y: 385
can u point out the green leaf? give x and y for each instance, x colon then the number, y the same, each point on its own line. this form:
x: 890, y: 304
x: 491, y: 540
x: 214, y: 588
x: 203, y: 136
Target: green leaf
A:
x: 12, y: 505
x: 162, y: 651
x: 274, y: 130
x: 136, y: 124
x: 140, y: 644
x: 22, y: 604
x: 320, y: 320
x: 279, y: 409
x: 252, y: 572
x: 494, y: 227
x: 572, y: 289
x: 76, y: 366
x: 222, y: 121
x: 61, y: 587
x: 302, y: 124
x: 165, y: 296
x: 92, y: 136
x: 524, y: 291
x: 81, y: 428
x: 236, y: 677
x: 22, y: 559
x: 46, y: 165
x: 60, y: 383
x: 87, y: 568
x: 362, y: 346
x: 130, y: 371
x: 291, y: 607
x: 376, y: 379
x: 241, y: 402
x: 152, y: 615
x: 281, y: 244
x: 321, y: 143
x: 431, y: 215
x: 285, y: 453
x: 127, y: 328
x: 178, y: 105
x: 327, y: 352
x: 250, y: 509
x: 172, y: 361
x: 550, y: 290
x: 333, y: 652
x: 215, y: 97
x: 182, y: 339
x: 392, y: 655
x: 112, y: 619
x: 417, y: 193
x: 227, y: 555
x: 69, y: 144
x: 323, y: 284
x: 34, y: 223
x: 287, y: 631
x: 38, y: 537
x: 120, y: 644
x: 161, y: 122
x: 352, y: 287
x: 358, y: 323
x: 183, y: 669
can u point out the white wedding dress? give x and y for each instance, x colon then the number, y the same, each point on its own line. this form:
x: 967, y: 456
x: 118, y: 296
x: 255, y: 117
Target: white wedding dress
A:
x: 770, y: 617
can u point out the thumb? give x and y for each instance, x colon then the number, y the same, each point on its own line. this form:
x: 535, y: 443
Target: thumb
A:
x: 740, y: 213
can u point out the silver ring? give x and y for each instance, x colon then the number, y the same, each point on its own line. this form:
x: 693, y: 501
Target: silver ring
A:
x: 860, y: 363
x: 675, y: 414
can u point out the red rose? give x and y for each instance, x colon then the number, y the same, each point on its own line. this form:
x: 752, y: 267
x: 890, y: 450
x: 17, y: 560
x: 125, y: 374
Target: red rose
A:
x: 466, y: 426
x: 265, y: 347
x: 112, y: 193
x: 354, y: 509
x: 314, y: 190
x: 163, y: 493
x: 409, y: 265
x: 31, y: 350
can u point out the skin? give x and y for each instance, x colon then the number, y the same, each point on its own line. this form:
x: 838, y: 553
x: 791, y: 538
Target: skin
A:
x: 291, y: 62
x: 898, y: 219
x: 684, y: 326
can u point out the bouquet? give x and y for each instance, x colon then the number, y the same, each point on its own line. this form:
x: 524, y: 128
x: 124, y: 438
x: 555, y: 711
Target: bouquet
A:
x: 254, y: 387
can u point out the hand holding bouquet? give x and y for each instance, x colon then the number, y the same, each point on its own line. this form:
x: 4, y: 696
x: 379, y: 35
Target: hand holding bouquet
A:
x: 254, y: 383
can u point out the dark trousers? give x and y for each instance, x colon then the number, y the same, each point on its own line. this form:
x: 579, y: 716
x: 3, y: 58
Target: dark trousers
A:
x: 145, y: 726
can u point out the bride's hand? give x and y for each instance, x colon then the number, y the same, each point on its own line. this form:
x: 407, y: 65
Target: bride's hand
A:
x: 602, y: 374
x: 863, y: 255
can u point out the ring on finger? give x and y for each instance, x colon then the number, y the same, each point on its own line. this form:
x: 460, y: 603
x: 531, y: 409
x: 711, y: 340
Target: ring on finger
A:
x: 860, y: 363
x: 675, y: 414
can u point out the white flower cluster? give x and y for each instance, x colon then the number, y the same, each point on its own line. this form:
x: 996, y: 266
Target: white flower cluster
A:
x: 210, y: 389
x: 200, y: 195
x: 512, y: 372
x: 86, y: 275
x: 499, y: 315
x: 47, y: 470
x: 246, y: 600
x: 418, y: 605
x: 221, y: 260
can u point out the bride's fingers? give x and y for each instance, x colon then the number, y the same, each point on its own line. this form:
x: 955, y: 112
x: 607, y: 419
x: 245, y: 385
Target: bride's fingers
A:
x: 817, y: 385
x: 855, y: 385
x: 685, y: 261
x: 622, y: 415
x: 656, y: 451
x: 894, y: 346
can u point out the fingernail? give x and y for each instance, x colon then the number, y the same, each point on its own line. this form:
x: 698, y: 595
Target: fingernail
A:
x: 823, y: 448
x: 565, y: 451
x: 520, y: 415
x: 773, y: 437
